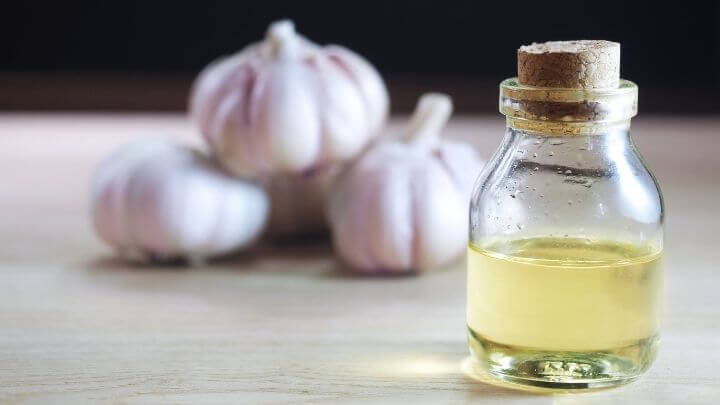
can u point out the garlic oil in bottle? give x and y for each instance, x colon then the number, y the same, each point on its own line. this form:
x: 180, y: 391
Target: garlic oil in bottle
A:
x: 565, y: 253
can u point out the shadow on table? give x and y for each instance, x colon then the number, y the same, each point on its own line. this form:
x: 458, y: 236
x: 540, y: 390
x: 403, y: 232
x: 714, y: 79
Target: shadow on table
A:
x: 314, y: 256
x: 260, y: 257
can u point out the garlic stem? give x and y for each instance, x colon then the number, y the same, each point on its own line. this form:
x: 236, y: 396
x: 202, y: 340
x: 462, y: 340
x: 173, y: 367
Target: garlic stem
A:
x: 430, y: 117
x: 282, y: 38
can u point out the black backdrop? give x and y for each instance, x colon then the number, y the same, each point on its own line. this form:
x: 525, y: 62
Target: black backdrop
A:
x: 671, y: 49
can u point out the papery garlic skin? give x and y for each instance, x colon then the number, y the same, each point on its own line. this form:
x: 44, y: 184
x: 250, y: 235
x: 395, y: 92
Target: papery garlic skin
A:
x: 287, y: 105
x: 160, y: 200
x: 403, y: 205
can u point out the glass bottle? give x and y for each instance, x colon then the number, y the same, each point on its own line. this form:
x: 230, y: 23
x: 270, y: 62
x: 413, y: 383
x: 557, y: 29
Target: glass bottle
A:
x: 566, y: 239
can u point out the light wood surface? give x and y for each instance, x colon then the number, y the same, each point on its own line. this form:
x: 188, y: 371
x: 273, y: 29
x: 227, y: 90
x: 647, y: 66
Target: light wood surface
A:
x: 283, y: 324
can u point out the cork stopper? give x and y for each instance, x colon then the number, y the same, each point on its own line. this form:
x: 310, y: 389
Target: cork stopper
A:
x: 585, y: 64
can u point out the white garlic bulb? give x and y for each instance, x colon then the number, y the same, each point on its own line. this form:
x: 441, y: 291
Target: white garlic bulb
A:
x: 403, y: 205
x: 287, y: 105
x: 160, y: 200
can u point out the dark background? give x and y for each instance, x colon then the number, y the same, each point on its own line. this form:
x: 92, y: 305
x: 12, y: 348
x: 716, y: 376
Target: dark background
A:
x: 142, y: 55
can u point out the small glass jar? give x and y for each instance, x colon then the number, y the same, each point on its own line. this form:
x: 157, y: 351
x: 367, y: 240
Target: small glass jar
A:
x: 566, y: 239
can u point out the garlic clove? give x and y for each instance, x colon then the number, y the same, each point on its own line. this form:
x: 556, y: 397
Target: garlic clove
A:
x: 238, y: 155
x: 150, y: 209
x: 109, y: 187
x: 344, y: 116
x: 218, y: 81
x: 390, y: 232
x: 440, y: 217
x: 288, y: 119
x: 369, y: 82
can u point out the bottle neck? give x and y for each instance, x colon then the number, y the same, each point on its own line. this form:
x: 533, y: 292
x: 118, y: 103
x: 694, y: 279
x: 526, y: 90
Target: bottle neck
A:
x: 568, y: 112
x: 563, y: 128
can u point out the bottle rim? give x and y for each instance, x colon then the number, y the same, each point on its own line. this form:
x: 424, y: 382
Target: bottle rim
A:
x: 601, y: 105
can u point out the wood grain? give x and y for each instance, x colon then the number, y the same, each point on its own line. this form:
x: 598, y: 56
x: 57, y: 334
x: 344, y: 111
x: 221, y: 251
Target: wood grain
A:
x: 284, y: 324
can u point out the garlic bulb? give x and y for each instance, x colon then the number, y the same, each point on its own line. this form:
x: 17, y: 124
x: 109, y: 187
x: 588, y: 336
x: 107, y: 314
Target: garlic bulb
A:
x: 287, y: 105
x: 160, y: 200
x: 404, y: 204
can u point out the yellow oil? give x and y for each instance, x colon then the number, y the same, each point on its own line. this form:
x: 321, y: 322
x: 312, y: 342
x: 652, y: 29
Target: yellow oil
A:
x: 564, y: 312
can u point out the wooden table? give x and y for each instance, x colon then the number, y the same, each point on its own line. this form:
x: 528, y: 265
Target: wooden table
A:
x: 79, y: 326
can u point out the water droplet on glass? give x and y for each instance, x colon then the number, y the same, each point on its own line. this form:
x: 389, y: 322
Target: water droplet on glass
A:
x: 534, y: 154
x: 519, y: 227
x: 559, y: 171
x: 556, y: 142
x: 536, y: 168
x: 542, y: 195
x: 568, y: 171
x: 551, y: 154
x: 569, y: 202
x: 512, y: 195
x: 537, y: 142
x: 534, y: 189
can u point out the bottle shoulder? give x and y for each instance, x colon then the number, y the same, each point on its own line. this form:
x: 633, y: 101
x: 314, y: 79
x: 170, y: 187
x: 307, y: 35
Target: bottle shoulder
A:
x: 568, y: 184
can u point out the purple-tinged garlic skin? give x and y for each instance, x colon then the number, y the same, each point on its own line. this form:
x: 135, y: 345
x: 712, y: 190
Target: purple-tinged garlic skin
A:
x: 286, y: 105
x: 155, y: 199
x: 403, y: 205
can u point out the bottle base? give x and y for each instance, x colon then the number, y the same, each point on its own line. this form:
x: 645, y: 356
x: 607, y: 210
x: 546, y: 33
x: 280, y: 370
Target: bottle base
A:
x: 561, y: 370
